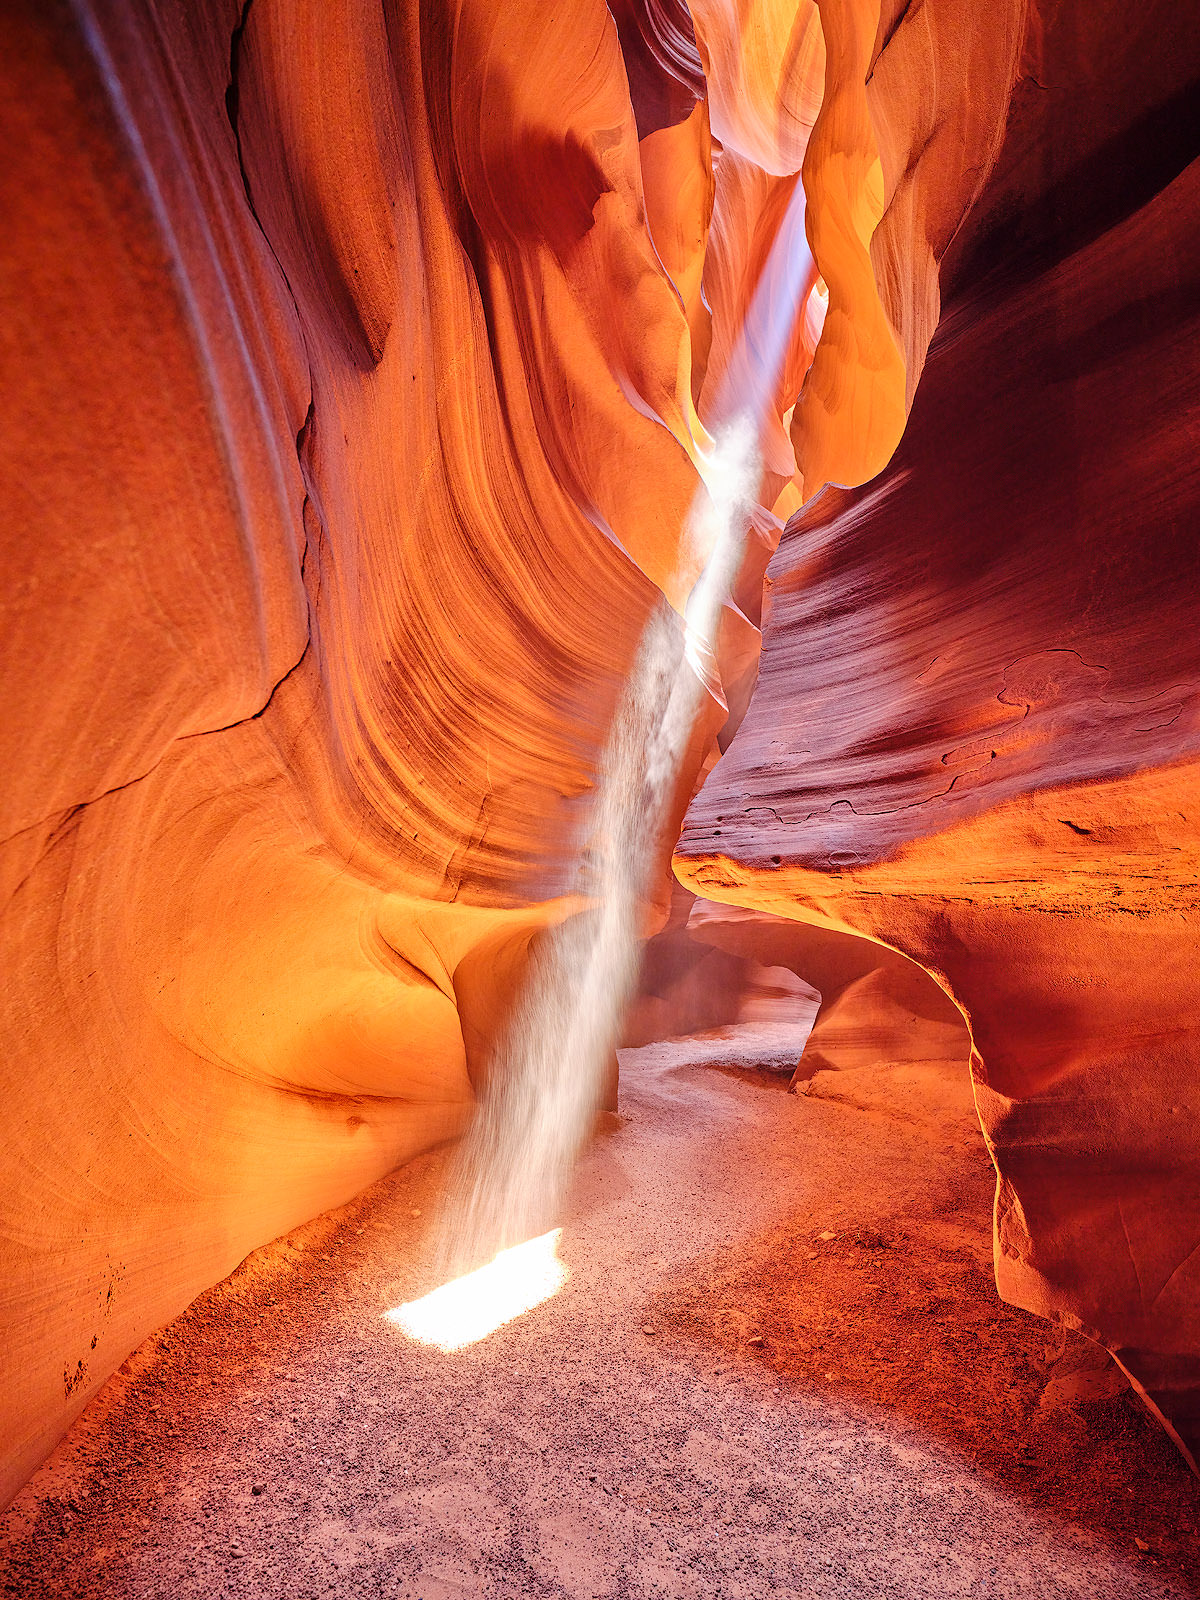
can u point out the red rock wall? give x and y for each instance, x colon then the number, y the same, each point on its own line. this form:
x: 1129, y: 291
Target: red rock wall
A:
x: 356, y: 353
x: 350, y: 451
x: 352, y: 437
x: 976, y: 727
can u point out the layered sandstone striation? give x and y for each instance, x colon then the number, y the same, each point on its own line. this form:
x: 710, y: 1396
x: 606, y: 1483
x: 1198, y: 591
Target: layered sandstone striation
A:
x: 975, y: 731
x: 352, y: 442
x: 363, y: 360
x: 324, y: 579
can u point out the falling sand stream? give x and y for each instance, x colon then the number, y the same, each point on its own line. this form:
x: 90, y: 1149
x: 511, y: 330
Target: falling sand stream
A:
x: 547, y: 1073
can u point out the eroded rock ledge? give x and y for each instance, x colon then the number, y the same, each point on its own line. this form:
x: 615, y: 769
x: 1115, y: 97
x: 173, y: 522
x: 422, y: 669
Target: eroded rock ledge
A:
x: 975, y: 731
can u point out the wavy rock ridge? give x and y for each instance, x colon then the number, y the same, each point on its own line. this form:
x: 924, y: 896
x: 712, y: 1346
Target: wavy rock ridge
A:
x: 975, y: 730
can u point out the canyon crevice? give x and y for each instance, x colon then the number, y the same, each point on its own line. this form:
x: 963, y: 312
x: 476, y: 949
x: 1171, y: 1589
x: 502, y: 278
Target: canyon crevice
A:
x: 362, y: 360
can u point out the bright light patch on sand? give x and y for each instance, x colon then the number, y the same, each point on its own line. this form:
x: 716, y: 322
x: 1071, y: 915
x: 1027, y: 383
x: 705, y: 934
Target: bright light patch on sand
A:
x: 467, y: 1309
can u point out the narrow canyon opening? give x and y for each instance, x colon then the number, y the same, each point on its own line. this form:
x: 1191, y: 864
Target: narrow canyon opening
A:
x: 599, y: 870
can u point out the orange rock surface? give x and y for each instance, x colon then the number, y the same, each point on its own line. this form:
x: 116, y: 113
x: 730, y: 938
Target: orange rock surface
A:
x: 975, y: 731
x: 361, y: 360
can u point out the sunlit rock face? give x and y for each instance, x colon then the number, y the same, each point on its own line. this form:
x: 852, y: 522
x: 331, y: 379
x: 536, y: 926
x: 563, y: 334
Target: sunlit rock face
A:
x: 976, y: 727
x: 332, y: 404
x: 359, y: 360
x: 352, y: 433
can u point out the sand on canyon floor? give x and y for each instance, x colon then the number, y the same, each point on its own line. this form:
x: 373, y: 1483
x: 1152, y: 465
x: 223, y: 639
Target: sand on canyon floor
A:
x: 778, y: 1368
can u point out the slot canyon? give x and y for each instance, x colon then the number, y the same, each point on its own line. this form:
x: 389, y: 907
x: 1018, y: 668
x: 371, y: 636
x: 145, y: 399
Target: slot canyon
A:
x: 601, y: 641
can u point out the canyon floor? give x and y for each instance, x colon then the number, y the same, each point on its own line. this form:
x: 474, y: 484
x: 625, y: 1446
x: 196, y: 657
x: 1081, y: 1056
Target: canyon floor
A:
x: 778, y: 1368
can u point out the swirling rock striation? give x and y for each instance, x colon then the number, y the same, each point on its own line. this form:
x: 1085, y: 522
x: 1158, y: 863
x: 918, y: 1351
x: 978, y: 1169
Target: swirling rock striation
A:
x: 363, y: 361
x: 975, y: 731
x: 352, y: 442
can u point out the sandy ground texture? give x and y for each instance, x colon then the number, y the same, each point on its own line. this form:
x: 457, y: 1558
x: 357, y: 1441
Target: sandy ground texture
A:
x: 778, y: 1368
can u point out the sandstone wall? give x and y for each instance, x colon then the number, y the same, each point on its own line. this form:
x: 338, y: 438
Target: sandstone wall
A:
x: 346, y: 455
x: 361, y: 358
x: 976, y: 727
